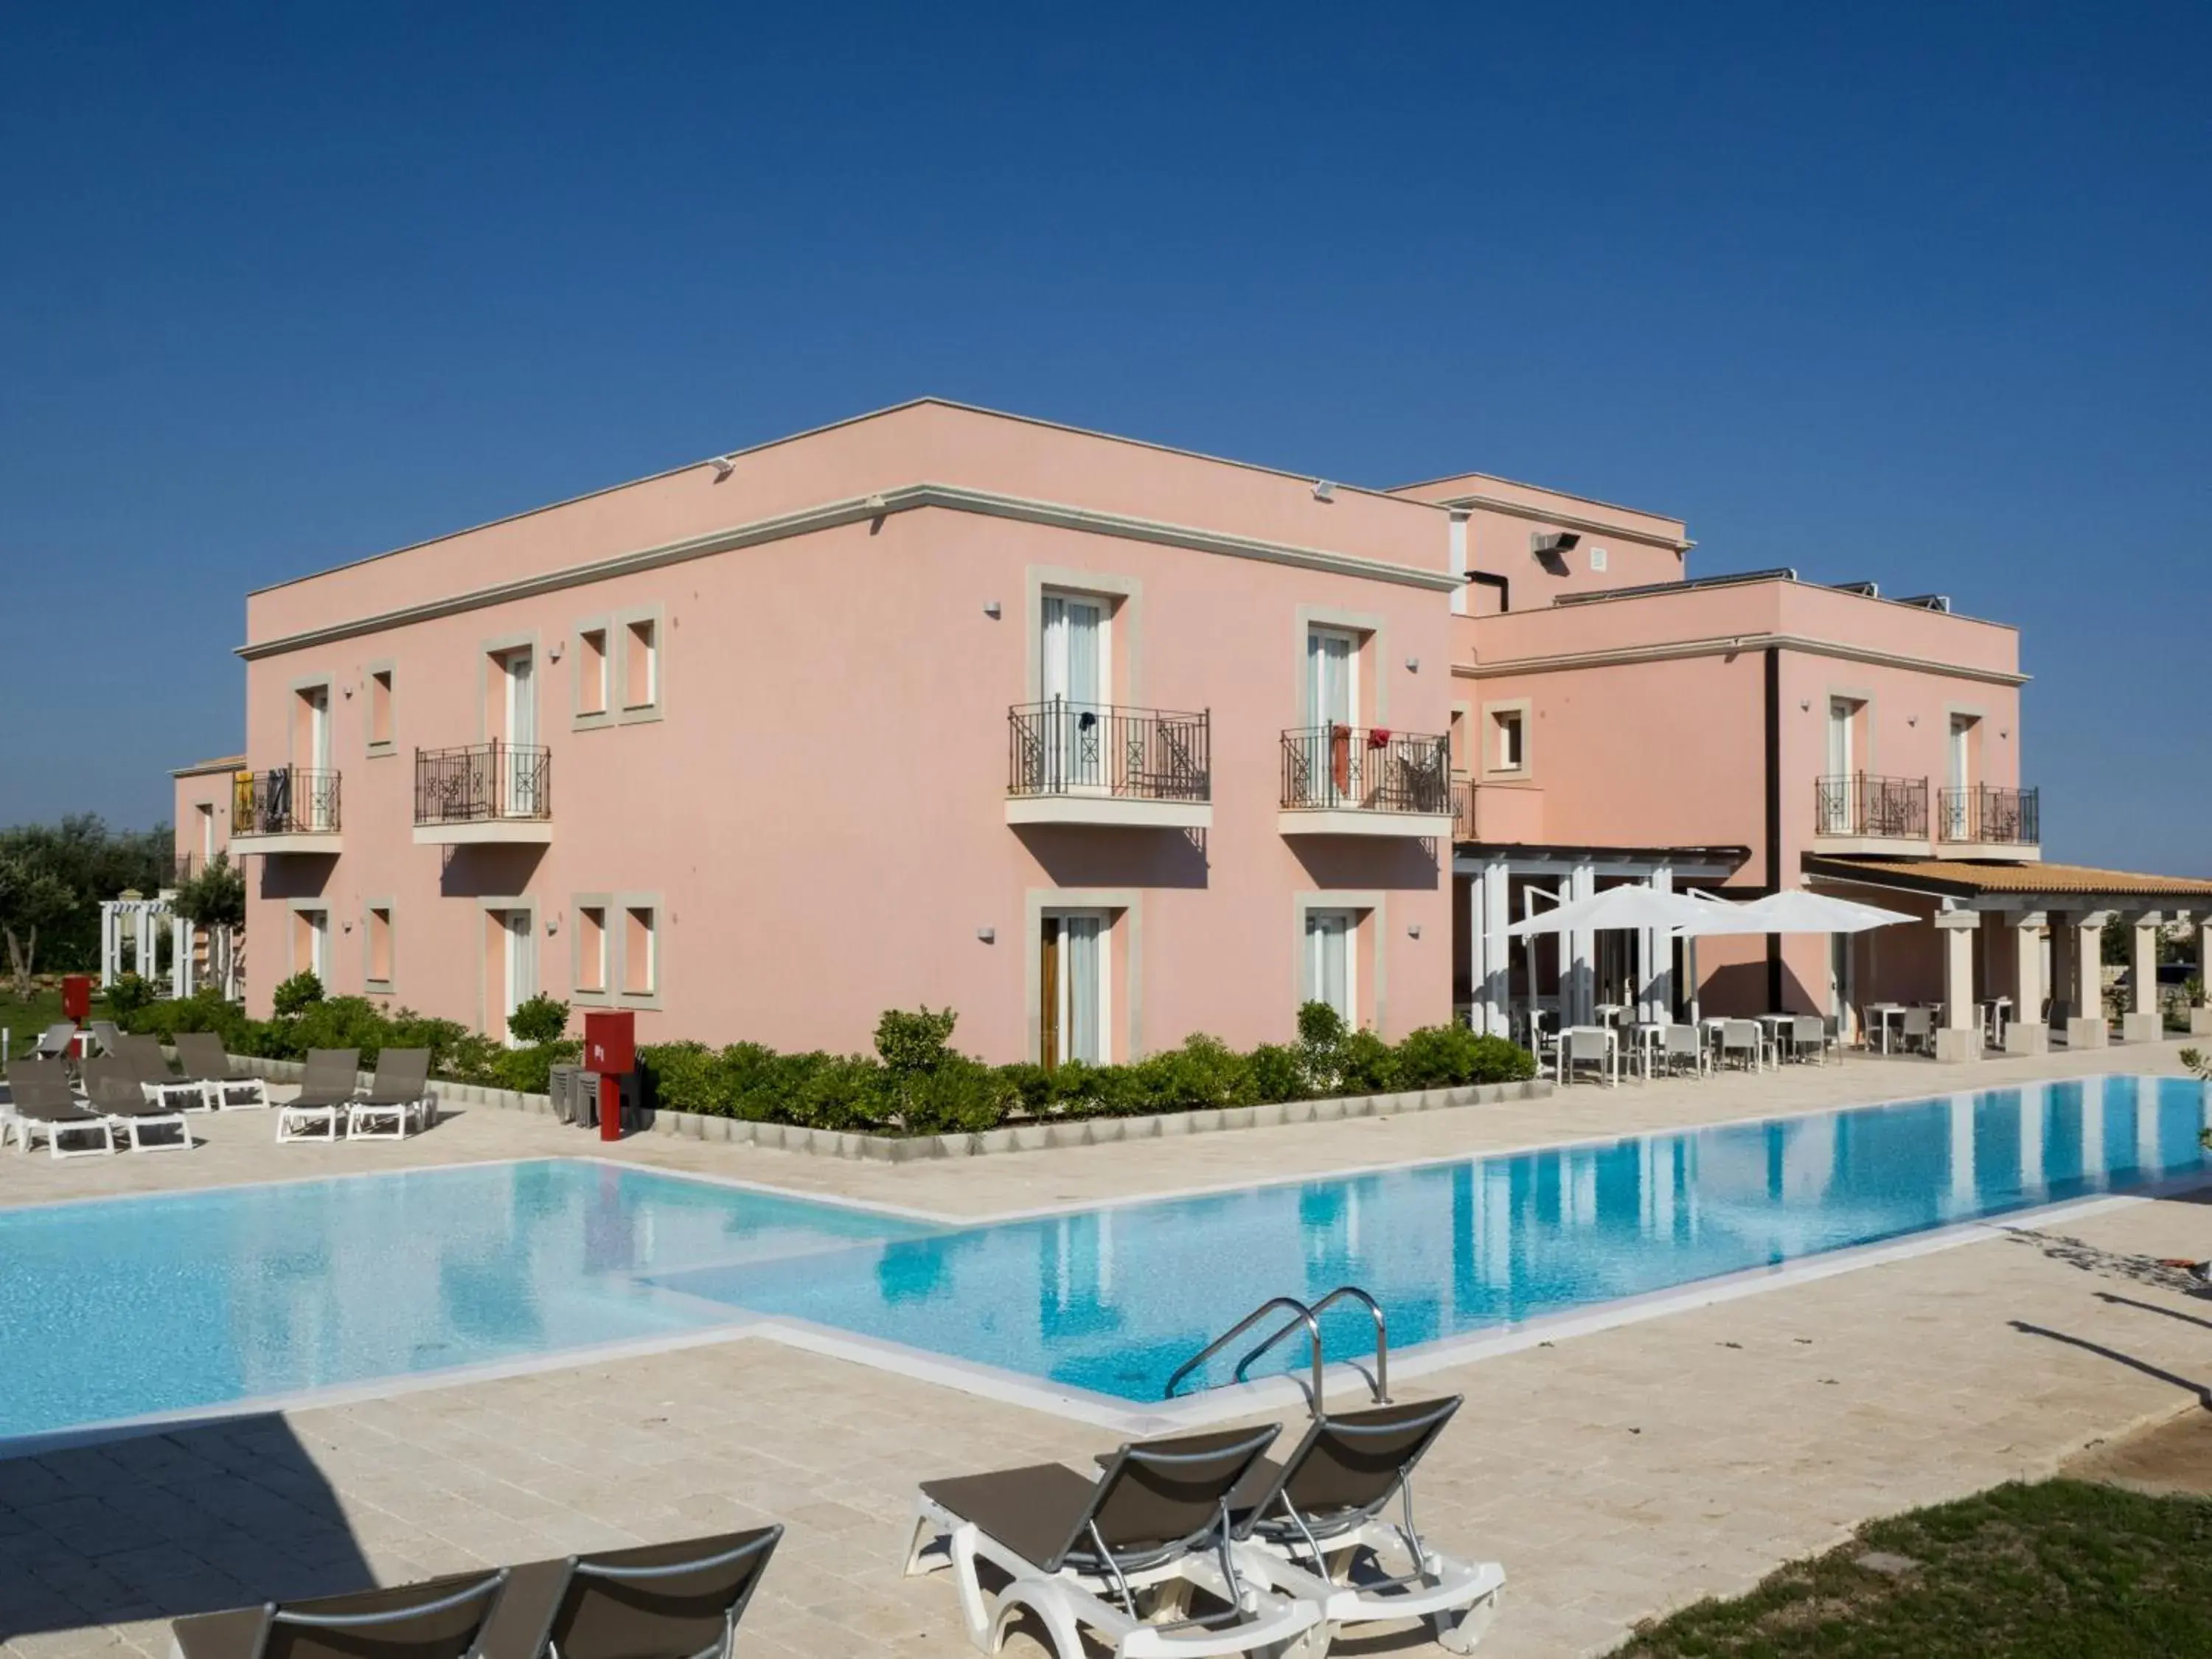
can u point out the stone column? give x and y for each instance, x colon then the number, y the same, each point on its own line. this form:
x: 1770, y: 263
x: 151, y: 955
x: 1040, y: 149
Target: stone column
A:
x: 2027, y: 1034
x: 2085, y: 1025
x: 1497, y: 949
x: 2200, y: 1016
x: 1959, y: 1037
x: 1657, y: 991
x: 2142, y: 1023
x: 2063, y: 975
x: 1578, y: 993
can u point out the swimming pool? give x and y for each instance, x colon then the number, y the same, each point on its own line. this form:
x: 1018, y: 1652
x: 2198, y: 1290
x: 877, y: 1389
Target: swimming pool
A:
x: 120, y: 1307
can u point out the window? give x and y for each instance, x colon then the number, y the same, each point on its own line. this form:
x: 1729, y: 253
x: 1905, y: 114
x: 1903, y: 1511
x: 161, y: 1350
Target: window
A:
x: 590, y: 672
x: 641, y: 956
x: 591, y: 950
x: 378, y: 945
x: 1071, y: 988
x: 1597, y: 559
x: 642, y: 665
x: 379, y: 711
x: 1512, y: 755
x: 206, y: 811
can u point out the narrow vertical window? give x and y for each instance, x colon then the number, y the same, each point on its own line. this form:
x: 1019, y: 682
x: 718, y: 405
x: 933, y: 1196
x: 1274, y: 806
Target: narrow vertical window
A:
x: 592, y: 671
x: 380, y: 947
x: 641, y: 951
x: 1512, y: 738
x: 206, y: 811
x: 380, y: 710
x: 592, y: 949
x: 642, y: 665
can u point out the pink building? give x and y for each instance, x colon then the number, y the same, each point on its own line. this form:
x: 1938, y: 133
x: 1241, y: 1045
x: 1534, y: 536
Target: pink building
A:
x: 1098, y: 743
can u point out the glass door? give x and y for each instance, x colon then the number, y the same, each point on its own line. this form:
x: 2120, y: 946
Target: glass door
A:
x: 1835, y: 796
x: 519, y: 978
x: 1072, y: 989
x: 1957, y: 820
x: 518, y: 785
x: 1074, y: 690
x: 1332, y: 712
x: 1329, y: 961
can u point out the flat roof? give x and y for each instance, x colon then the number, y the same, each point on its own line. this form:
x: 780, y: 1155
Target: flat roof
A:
x: 221, y: 764
x: 1971, y: 878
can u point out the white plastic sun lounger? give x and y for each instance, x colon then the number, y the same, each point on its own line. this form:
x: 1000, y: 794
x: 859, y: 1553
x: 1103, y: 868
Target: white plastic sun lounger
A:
x: 1304, y: 1526
x: 1120, y: 1555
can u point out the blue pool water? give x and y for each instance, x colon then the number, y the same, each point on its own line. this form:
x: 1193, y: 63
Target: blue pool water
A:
x: 125, y: 1307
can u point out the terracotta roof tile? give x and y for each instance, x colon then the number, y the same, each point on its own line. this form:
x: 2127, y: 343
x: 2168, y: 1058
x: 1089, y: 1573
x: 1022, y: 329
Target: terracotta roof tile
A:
x: 1963, y: 878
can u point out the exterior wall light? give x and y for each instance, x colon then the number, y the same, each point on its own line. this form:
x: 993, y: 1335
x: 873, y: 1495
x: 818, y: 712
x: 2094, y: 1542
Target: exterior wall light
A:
x: 1412, y: 665
x: 993, y: 610
x: 989, y: 935
x: 1413, y: 930
x: 1324, y: 490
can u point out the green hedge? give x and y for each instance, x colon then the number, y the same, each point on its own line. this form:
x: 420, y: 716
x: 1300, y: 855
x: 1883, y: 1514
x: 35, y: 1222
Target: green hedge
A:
x: 929, y: 1088
x: 915, y: 1083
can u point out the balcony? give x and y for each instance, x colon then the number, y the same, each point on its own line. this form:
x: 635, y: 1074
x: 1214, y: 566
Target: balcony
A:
x: 1496, y: 812
x: 483, y: 794
x: 290, y: 810
x: 1365, y: 781
x: 1983, y: 821
x: 1857, y: 812
x: 1095, y: 764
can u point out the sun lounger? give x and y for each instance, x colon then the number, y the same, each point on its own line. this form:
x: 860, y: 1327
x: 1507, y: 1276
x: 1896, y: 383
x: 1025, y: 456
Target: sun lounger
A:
x: 674, y: 1598
x: 683, y: 1599
x: 150, y: 1068
x: 438, y: 1618
x: 105, y: 1033
x: 326, y: 1091
x: 111, y: 1089
x: 1304, y: 1526
x: 44, y: 1105
x: 397, y: 1097
x: 202, y: 1056
x: 54, y: 1042
x: 1120, y: 1555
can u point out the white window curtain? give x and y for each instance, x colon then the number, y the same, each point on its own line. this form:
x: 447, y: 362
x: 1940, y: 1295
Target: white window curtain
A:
x: 1082, y: 989
x: 1073, y: 674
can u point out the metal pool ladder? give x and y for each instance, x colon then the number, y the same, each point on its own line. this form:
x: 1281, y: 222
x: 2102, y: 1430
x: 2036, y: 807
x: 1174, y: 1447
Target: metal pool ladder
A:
x: 1305, y: 1318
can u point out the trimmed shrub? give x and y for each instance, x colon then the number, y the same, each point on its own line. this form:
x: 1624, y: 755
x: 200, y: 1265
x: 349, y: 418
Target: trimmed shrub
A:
x: 1450, y: 1056
x: 295, y: 993
x: 1279, y: 1072
x: 540, y: 1019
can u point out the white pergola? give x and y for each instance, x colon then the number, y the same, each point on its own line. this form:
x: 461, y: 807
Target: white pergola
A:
x: 130, y: 930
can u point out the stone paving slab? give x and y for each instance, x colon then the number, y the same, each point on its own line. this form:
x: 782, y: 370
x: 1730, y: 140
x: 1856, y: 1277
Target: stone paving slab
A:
x: 1618, y: 1474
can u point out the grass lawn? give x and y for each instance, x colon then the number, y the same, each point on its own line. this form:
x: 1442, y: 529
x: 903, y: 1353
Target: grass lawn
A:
x: 2060, y: 1569
x: 26, y: 1020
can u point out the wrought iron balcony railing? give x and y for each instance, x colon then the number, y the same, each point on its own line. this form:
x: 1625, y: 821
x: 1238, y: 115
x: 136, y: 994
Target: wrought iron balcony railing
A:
x: 479, y: 782
x: 1861, y: 804
x: 1463, y: 800
x: 288, y: 800
x: 1060, y: 748
x: 1983, y: 813
x: 1366, y: 768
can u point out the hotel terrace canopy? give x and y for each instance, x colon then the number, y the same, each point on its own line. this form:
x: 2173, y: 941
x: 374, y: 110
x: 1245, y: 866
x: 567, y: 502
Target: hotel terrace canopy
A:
x: 1991, y: 910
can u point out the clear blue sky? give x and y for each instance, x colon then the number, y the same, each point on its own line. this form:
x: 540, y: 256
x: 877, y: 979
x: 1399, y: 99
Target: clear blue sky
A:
x: 1916, y: 294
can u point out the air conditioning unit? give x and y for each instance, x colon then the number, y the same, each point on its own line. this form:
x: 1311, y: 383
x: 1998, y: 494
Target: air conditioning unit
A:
x: 1550, y: 544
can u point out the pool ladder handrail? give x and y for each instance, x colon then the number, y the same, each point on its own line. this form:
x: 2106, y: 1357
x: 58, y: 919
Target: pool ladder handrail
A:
x: 1308, y: 1319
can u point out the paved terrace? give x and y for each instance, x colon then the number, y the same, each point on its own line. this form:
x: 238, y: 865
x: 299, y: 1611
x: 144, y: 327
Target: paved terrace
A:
x: 1618, y: 1474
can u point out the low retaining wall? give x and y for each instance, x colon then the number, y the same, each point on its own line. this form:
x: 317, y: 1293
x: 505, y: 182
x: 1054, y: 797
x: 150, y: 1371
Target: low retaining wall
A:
x: 1014, y: 1138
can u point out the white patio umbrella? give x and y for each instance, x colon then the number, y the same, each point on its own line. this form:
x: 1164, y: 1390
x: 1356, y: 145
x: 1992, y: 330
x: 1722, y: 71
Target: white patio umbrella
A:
x: 1792, y: 910
x: 1635, y: 907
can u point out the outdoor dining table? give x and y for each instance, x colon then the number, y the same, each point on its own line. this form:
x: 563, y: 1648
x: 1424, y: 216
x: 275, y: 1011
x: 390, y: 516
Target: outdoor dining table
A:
x: 1881, y: 1012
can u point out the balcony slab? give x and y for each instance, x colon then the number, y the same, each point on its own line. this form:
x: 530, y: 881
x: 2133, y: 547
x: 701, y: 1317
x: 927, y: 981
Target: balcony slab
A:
x: 1358, y: 821
x: 2008, y: 852
x: 324, y: 842
x: 1909, y: 847
x: 486, y: 832
x: 1110, y: 810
